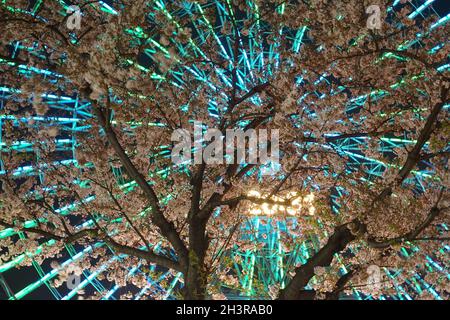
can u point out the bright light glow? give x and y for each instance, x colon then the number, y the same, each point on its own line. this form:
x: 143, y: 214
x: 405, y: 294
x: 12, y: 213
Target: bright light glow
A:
x: 290, y: 204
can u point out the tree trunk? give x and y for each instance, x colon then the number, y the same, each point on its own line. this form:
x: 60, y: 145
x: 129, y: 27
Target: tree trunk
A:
x: 196, y: 274
x: 195, y: 282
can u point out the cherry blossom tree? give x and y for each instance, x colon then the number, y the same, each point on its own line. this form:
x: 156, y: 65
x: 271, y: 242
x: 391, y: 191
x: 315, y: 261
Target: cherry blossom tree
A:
x: 342, y: 81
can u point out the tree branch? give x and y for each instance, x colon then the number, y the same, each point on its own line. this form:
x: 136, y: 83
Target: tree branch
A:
x: 166, y: 227
x: 336, y: 243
